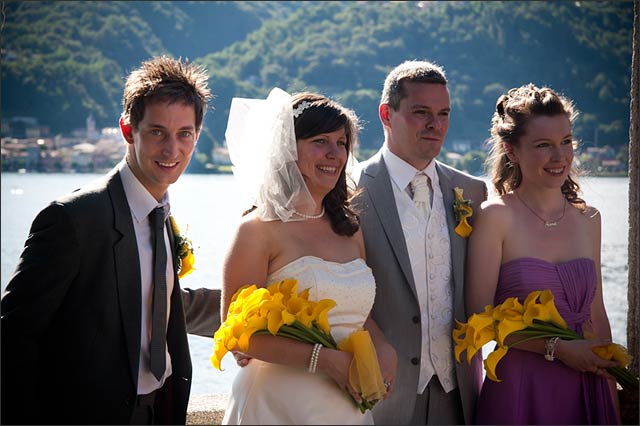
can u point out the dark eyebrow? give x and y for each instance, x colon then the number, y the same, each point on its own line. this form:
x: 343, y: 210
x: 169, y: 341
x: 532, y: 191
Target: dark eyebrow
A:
x: 160, y: 126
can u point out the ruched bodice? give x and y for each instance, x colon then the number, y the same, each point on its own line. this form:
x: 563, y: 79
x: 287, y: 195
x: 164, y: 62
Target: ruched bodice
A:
x: 534, y: 390
x: 572, y: 283
x: 265, y: 393
x: 350, y: 284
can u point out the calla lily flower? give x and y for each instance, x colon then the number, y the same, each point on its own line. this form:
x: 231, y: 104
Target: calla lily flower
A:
x: 545, y: 311
x: 537, y: 318
x: 463, y: 229
x: 615, y: 352
x: 320, y: 313
x: 492, y: 360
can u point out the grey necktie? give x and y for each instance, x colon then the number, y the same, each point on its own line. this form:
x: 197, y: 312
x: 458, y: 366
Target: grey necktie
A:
x: 159, y: 307
x: 421, y: 197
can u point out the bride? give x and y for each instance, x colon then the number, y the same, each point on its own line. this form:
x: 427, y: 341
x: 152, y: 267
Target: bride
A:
x: 290, y: 156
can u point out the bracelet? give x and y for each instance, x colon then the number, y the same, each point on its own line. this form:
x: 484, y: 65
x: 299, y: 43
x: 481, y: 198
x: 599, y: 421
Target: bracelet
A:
x: 313, y: 360
x: 550, y: 348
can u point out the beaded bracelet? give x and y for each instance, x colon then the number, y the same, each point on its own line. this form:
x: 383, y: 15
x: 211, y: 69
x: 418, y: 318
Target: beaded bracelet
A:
x: 550, y: 348
x: 313, y: 360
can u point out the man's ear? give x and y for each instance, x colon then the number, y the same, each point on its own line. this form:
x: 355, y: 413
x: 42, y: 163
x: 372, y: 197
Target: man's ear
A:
x: 127, y: 131
x: 383, y: 112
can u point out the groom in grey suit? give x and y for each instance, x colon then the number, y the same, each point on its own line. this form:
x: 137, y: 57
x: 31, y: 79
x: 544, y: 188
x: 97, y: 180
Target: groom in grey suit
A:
x: 416, y: 255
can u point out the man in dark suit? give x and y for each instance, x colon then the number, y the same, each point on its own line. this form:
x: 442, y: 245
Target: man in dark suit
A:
x: 78, y: 313
x: 415, y: 253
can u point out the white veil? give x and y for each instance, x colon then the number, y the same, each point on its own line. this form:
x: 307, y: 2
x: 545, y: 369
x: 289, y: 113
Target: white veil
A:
x: 262, y: 146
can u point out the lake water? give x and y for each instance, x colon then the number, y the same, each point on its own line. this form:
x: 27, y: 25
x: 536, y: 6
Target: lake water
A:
x: 209, y: 206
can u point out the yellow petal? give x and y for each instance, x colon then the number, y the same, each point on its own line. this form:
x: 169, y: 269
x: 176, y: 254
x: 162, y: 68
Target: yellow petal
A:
x: 508, y: 326
x: 186, y: 266
x: 320, y: 313
x: 613, y: 351
x: 458, y: 349
x: 289, y: 288
x: 492, y: 360
x: 471, y: 351
x: 544, y: 311
x: 546, y: 298
x: 463, y: 229
x: 243, y: 291
x: 305, y: 315
x: 243, y: 340
x: 531, y: 299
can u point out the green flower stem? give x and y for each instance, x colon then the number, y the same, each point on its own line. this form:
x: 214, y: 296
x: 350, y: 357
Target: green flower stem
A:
x: 318, y: 337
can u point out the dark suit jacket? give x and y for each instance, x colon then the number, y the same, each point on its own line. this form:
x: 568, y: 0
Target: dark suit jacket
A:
x: 71, y: 318
x: 396, y: 309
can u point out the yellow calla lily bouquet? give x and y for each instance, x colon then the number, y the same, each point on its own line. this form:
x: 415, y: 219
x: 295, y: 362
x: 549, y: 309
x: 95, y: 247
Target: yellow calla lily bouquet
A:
x: 280, y: 310
x: 537, y: 318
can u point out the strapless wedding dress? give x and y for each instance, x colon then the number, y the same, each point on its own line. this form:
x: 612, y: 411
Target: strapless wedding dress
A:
x: 264, y: 393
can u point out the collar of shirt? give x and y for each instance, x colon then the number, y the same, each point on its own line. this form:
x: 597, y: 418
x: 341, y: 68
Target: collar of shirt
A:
x: 141, y: 202
x: 402, y: 172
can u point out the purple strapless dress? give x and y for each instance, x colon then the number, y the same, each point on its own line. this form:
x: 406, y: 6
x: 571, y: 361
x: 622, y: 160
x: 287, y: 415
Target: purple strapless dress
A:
x: 534, y: 390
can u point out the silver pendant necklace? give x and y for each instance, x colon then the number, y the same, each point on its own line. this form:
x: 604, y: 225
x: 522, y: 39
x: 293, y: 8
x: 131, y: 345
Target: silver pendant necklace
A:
x: 547, y: 224
x: 310, y: 216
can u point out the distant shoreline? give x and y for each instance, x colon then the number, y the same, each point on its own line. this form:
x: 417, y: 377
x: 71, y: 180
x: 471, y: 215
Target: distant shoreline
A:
x: 226, y: 170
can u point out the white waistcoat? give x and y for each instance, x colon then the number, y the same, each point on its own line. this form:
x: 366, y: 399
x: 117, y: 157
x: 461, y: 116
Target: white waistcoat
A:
x: 429, y: 250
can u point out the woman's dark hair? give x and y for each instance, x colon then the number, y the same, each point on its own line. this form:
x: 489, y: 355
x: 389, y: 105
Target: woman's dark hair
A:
x: 322, y: 115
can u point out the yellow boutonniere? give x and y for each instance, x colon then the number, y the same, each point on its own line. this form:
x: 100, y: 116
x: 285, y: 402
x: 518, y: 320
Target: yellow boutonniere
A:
x: 462, y: 209
x: 184, y: 251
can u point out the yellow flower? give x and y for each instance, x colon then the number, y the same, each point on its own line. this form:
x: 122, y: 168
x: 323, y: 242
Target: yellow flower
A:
x: 462, y: 209
x: 615, y: 352
x: 537, y: 318
x: 492, y: 360
x: 320, y: 313
x: 183, y: 249
x: 509, y: 318
x: 280, y: 310
x: 544, y: 311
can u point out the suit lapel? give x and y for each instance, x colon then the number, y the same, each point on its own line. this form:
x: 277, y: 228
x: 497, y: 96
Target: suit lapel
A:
x: 128, y: 278
x: 383, y: 202
x: 458, y: 244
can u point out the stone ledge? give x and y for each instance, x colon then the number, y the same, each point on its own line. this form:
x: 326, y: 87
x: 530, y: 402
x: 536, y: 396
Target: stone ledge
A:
x: 206, y: 409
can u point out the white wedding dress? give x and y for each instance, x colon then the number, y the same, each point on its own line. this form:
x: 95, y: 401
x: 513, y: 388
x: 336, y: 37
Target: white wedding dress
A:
x: 264, y: 393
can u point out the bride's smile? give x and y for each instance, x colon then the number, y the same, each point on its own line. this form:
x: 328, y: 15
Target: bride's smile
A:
x: 321, y: 159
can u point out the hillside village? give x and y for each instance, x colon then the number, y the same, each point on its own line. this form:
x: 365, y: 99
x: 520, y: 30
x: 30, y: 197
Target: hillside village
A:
x: 27, y: 146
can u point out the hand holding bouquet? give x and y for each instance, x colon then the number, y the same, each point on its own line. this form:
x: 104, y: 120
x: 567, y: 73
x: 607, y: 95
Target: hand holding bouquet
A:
x: 537, y: 318
x: 281, y: 311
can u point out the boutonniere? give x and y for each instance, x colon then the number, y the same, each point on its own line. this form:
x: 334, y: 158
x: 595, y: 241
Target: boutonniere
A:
x: 462, y: 209
x: 184, y: 250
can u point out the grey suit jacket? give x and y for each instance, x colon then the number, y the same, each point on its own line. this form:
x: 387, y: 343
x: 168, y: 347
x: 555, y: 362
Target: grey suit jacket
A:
x: 396, y: 308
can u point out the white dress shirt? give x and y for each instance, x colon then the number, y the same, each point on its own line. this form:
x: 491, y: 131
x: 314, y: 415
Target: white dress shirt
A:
x: 141, y: 203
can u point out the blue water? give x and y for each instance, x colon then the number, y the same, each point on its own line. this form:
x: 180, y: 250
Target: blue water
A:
x: 208, y: 207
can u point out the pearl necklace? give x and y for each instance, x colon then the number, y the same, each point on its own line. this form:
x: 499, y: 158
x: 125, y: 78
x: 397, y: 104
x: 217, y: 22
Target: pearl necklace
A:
x: 547, y: 224
x: 309, y: 216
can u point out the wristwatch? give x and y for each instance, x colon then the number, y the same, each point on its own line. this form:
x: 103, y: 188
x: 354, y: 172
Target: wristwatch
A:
x: 550, y: 347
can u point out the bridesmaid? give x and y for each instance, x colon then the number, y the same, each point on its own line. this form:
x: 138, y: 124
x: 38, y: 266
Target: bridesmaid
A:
x: 539, y: 234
